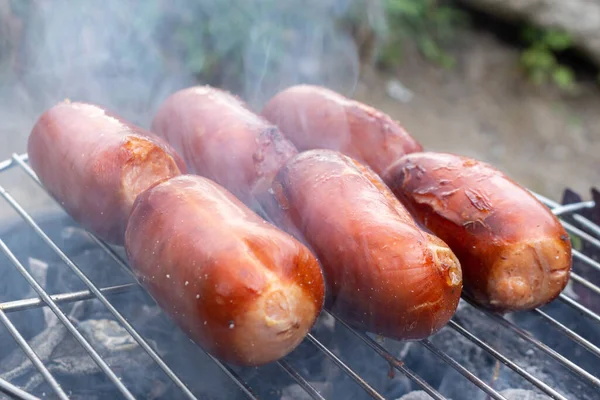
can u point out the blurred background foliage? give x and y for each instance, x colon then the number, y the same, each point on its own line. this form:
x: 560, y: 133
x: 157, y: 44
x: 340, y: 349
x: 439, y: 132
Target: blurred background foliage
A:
x: 431, y: 25
x: 217, y: 39
x: 539, y: 57
x: 213, y: 44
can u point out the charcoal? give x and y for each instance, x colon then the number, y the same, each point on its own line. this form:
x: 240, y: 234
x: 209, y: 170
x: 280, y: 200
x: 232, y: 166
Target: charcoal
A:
x: 521, y: 394
x: 521, y: 352
x: 296, y: 392
x: 416, y: 395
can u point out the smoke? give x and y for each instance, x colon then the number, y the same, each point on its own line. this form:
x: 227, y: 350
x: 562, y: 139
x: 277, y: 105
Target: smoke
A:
x: 102, y: 52
x: 313, y: 50
x: 129, y: 55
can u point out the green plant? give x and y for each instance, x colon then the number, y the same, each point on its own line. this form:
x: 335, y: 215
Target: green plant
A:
x: 576, y: 242
x: 539, y: 58
x: 429, y: 24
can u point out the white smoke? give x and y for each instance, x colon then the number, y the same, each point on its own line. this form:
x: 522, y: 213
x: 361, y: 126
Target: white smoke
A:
x: 129, y: 55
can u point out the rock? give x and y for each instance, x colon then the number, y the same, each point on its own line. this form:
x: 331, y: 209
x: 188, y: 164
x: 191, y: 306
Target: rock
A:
x: 580, y: 18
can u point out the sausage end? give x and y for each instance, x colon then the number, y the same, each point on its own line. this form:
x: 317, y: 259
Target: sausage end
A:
x: 446, y: 262
x: 529, y: 274
x: 275, y: 324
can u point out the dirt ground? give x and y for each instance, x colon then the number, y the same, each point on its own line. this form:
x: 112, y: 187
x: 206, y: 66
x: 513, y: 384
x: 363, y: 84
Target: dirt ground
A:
x: 484, y: 108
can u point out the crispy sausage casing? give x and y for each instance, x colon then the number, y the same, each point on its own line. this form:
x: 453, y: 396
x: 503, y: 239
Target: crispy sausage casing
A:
x: 514, y: 252
x: 383, y: 273
x: 241, y: 288
x: 314, y: 117
x: 95, y: 164
x: 221, y: 139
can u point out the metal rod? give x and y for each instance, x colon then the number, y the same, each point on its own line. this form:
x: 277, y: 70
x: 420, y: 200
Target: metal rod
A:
x: 582, y: 373
x: 568, y: 332
x: 65, y: 320
x: 570, y: 208
x: 111, y: 252
x: 399, y: 365
x: 588, y: 224
x: 393, y: 361
x: 585, y: 282
x: 235, y: 378
x: 35, y: 360
x: 310, y: 389
x: 582, y: 234
x: 7, y: 164
x: 586, y: 311
x: 591, y: 262
x: 20, y: 161
x: 27, y: 304
x: 15, y: 392
x: 372, y: 392
x: 462, y: 370
x: 541, y: 385
x: 579, y: 218
x: 20, y: 305
x: 545, y: 200
x: 94, y: 289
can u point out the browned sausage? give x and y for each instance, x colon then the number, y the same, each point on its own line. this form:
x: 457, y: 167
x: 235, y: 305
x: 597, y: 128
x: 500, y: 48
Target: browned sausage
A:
x: 514, y: 252
x: 221, y: 139
x: 241, y: 288
x: 314, y: 117
x: 95, y: 164
x: 383, y: 273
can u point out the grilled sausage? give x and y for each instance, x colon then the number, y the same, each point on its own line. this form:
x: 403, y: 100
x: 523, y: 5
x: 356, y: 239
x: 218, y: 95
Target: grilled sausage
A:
x: 514, y: 252
x: 221, y: 139
x: 242, y: 289
x: 383, y: 273
x: 95, y: 164
x: 314, y: 117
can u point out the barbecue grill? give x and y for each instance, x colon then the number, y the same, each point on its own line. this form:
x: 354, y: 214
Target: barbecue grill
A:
x: 78, y: 325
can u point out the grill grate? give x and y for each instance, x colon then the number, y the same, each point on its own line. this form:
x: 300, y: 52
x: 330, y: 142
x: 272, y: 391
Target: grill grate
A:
x: 580, y: 228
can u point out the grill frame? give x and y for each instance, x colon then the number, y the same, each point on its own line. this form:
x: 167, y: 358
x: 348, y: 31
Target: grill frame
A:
x: 584, y: 232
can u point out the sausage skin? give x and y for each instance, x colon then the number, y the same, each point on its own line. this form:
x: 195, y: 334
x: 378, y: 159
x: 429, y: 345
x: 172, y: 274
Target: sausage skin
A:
x: 314, y: 117
x: 514, y: 252
x: 221, y: 139
x: 242, y: 289
x: 95, y: 164
x: 384, y: 274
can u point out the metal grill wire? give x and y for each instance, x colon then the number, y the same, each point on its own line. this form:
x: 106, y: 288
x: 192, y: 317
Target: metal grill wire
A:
x: 587, y: 231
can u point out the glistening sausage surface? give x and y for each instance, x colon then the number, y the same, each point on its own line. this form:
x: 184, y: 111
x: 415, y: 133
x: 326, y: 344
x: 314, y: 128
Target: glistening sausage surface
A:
x: 244, y: 290
x: 314, y: 117
x: 514, y: 252
x: 383, y: 273
x: 95, y: 164
x: 221, y: 139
